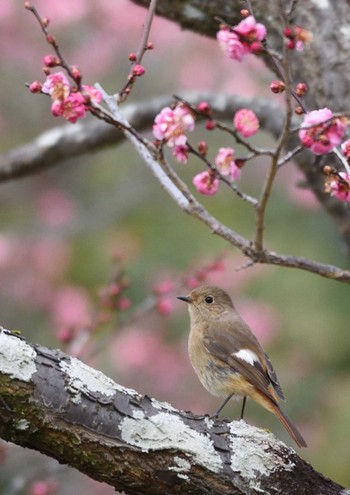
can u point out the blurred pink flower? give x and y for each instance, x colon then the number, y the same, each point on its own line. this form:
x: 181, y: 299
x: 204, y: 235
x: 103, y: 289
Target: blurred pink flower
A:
x: 230, y: 43
x: 345, y: 147
x: 41, y: 487
x: 70, y: 307
x: 180, y: 153
x: 206, y: 183
x: 250, y: 30
x: 55, y: 208
x: 165, y: 305
x: 143, y: 349
x: 94, y: 94
x: 246, y: 122
x: 262, y: 319
x: 338, y: 185
x: 51, y: 257
x: 320, y: 132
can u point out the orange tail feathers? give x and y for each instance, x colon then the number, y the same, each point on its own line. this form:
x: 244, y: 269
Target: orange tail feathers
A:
x: 270, y: 403
x: 289, y: 425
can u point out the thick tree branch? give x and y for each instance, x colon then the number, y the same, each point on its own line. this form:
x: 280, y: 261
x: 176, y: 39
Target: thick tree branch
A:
x: 57, y: 405
x: 67, y: 141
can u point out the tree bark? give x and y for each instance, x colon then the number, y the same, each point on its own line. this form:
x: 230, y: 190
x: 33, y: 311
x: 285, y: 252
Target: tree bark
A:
x: 61, y: 407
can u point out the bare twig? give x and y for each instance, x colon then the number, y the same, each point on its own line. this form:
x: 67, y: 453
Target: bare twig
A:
x: 267, y: 188
x: 124, y: 93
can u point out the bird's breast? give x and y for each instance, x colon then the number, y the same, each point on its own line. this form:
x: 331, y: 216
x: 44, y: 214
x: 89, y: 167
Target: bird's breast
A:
x: 216, y: 376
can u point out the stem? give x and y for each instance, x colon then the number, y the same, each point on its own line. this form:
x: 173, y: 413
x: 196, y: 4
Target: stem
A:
x: 267, y: 188
x: 124, y: 93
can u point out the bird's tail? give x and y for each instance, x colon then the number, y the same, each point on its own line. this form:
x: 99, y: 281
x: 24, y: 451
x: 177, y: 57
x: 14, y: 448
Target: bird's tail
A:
x: 289, y: 426
x: 270, y: 403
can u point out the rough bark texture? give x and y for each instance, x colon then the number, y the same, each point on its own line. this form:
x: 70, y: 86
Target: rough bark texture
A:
x: 57, y: 405
x: 323, y: 65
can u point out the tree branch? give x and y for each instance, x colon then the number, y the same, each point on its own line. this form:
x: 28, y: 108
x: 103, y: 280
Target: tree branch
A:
x: 323, y: 65
x: 67, y: 141
x: 57, y: 405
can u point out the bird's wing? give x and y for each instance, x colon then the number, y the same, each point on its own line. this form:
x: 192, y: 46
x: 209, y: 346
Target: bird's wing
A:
x: 273, y: 377
x: 224, y: 347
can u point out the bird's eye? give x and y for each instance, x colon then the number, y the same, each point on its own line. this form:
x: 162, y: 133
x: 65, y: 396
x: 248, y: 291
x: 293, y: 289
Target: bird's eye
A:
x: 209, y: 299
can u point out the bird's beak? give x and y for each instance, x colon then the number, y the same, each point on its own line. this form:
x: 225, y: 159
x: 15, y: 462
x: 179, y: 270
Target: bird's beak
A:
x: 185, y: 298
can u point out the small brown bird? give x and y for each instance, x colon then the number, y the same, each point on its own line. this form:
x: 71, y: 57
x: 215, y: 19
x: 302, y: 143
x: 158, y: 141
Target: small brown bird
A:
x: 228, y: 358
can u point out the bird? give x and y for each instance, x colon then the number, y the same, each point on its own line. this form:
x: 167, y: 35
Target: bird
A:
x: 227, y: 357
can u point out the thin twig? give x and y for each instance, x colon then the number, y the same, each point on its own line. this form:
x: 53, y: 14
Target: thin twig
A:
x: 267, y: 188
x: 125, y: 91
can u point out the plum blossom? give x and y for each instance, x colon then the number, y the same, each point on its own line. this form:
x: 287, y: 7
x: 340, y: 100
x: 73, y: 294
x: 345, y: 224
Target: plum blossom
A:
x: 338, y: 185
x: 225, y: 163
x: 230, y: 43
x: 345, y: 147
x: 242, y: 39
x: 94, y: 94
x: 246, y: 122
x: 320, y: 132
x: 57, y: 86
x: 71, y: 108
x: 170, y: 125
x: 206, y: 183
x: 250, y: 31
x: 180, y: 152
x: 67, y: 102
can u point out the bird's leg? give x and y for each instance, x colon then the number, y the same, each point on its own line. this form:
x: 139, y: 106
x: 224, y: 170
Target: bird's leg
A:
x: 243, y: 406
x: 221, y: 407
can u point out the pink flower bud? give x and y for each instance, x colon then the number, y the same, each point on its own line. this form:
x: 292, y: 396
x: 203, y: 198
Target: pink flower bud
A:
x: 204, y: 108
x: 301, y: 89
x: 51, y: 61
x: 202, y: 148
x: 35, y: 87
x: 210, y: 125
x: 138, y: 70
x: 277, y: 87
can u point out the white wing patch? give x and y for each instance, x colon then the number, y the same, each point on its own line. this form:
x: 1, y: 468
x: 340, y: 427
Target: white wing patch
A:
x: 247, y: 355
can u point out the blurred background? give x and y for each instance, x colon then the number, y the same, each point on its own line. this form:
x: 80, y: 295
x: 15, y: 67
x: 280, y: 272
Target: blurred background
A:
x: 93, y: 252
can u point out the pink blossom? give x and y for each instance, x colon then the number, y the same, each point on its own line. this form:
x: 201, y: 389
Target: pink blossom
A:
x: 71, y: 108
x: 138, y: 70
x: 170, y: 125
x: 206, y: 183
x: 71, y: 307
x: 35, y: 87
x: 180, y: 152
x: 346, y: 148
x: 94, y: 94
x: 43, y: 487
x: 246, y: 122
x: 165, y: 305
x: 320, y: 132
x: 225, y: 163
x: 338, y: 185
x: 250, y: 30
x: 124, y: 303
x: 57, y: 86
x: 230, y: 43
